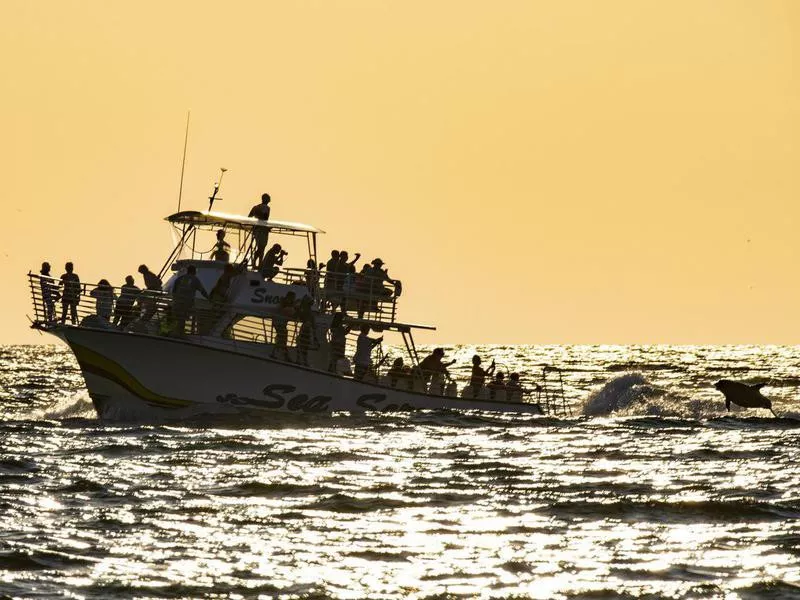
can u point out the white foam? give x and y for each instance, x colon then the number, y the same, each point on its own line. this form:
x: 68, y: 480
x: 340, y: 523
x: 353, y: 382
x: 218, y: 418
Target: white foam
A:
x: 76, y: 406
x: 632, y: 394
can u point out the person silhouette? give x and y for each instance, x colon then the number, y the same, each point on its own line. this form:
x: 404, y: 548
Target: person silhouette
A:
x: 124, y: 313
x: 183, y: 292
x: 306, y: 336
x: 479, y: 375
x: 363, y: 355
x: 149, y: 297
x: 514, y: 388
x: 260, y: 233
x: 272, y: 262
x: 70, y: 295
x: 399, y: 375
x: 222, y: 249
x: 497, y: 385
x: 50, y: 293
x: 339, y: 333
x: 287, y: 309
x: 104, y: 299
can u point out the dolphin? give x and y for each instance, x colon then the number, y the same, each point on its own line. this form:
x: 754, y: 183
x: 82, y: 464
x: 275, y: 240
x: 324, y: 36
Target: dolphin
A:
x: 741, y: 394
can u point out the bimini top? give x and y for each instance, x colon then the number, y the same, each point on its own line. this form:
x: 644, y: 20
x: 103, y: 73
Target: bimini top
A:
x: 218, y: 219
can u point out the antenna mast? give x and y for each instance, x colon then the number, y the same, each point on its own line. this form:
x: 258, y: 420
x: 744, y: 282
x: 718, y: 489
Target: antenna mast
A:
x: 213, y: 196
x: 183, y: 164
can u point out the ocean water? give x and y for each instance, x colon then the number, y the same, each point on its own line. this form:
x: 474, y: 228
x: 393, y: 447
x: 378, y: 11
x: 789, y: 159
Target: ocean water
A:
x: 649, y: 490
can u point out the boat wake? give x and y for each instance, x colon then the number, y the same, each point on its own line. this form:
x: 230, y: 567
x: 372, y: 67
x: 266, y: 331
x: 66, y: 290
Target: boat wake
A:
x: 632, y: 394
x: 77, y: 406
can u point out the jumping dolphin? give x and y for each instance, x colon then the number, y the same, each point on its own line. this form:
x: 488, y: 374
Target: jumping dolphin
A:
x: 741, y: 394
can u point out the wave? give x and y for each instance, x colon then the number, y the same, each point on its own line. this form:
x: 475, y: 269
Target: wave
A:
x: 633, y: 395
x: 704, y: 511
x: 34, y: 560
x: 78, y: 406
x: 257, y: 488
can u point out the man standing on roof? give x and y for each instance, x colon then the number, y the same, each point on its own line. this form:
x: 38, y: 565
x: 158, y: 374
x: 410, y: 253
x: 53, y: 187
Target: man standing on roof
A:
x: 260, y: 233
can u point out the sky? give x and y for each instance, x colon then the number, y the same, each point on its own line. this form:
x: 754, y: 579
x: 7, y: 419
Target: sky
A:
x: 551, y: 171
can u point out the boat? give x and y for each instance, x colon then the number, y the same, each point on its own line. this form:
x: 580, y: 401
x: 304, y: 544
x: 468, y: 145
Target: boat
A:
x: 252, y: 352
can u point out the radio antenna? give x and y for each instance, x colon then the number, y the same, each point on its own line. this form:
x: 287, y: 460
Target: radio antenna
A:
x: 183, y: 164
x: 213, y: 196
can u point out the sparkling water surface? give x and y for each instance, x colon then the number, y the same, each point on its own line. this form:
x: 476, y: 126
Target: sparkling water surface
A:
x: 649, y: 490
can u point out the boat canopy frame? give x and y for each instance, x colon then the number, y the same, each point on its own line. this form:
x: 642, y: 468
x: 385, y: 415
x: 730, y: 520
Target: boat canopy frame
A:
x: 187, y: 222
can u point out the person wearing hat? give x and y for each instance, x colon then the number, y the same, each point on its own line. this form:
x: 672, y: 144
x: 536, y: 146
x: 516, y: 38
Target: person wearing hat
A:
x: 379, y: 275
x: 260, y: 233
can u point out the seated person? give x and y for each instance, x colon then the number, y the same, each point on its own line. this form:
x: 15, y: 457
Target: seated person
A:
x: 343, y: 367
x: 124, y: 312
x: 496, y: 385
x: 513, y: 388
x: 399, y: 374
x: 222, y: 249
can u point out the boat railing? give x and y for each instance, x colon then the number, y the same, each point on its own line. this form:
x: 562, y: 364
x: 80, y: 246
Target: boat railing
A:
x: 547, y: 392
x: 371, y: 298
x: 367, y: 297
x: 97, y: 306
x: 151, y: 311
x: 154, y: 312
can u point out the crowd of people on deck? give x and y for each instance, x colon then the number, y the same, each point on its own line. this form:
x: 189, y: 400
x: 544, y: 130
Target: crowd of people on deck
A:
x: 138, y: 305
x: 134, y: 305
x: 336, y: 286
x: 432, y: 372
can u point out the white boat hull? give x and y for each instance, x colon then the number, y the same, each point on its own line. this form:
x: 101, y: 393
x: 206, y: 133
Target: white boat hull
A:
x: 138, y: 377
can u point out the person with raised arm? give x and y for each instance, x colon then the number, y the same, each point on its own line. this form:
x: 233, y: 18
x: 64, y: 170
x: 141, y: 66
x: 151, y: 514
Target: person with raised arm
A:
x: 432, y: 365
x: 272, y: 262
x: 479, y: 375
x: 363, y: 355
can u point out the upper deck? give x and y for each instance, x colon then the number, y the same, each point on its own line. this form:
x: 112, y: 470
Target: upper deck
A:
x: 214, y: 219
x: 195, y: 232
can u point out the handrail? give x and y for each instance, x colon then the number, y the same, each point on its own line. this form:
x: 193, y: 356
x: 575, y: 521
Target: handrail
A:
x: 374, y: 300
x: 155, y: 312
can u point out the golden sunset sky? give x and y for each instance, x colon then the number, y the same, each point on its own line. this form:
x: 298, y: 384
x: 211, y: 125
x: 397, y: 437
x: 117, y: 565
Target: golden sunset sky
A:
x: 551, y: 171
